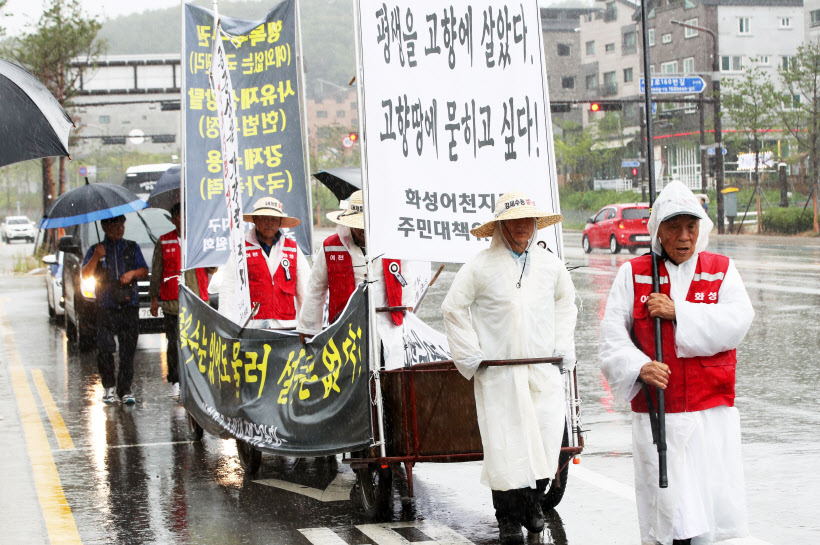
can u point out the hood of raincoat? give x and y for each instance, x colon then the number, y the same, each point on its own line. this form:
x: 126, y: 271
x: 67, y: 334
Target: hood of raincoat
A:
x: 677, y: 199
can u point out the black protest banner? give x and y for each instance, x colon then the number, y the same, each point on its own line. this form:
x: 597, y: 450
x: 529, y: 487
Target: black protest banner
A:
x: 262, y: 62
x: 270, y: 390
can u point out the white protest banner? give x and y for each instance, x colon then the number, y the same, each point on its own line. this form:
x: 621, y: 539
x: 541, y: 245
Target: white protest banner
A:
x: 455, y: 109
x: 226, y: 110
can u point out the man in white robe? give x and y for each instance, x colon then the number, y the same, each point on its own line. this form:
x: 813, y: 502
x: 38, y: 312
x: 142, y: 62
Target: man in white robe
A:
x: 515, y: 300
x: 705, y: 313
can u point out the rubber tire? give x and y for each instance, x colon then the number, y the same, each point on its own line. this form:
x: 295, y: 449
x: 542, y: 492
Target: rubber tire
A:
x: 82, y: 341
x: 250, y: 458
x: 586, y: 244
x: 374, y: 492
x: 554, y: 494
x: 614, y: 247
x: 69, y: 331
x: 52, y: 313
x: 195, y: 431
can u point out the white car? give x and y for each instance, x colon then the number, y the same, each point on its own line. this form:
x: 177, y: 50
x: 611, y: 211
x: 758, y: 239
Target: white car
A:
x: 17, y: 227
x: 54, y: 284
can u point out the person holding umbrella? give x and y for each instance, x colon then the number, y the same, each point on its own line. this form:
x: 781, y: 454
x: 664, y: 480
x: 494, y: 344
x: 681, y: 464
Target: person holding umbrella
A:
x: 116, y: 264
x: 515, y: 300
x: 165, y: 272
x: 705, y: 313
x: 277, y: 270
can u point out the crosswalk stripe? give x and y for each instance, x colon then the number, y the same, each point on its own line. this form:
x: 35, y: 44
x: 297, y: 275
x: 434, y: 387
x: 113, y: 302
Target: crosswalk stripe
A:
x: 321, y: 536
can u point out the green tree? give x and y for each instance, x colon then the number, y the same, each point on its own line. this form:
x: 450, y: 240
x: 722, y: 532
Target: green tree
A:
x: 751, y: 103
x: 63, y: 34
x: 575, y: 155
x: 2, y: 30
x: 799, y: 106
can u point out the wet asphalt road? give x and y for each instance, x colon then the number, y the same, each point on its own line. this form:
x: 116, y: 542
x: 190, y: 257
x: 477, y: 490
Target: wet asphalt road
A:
x: 114, y: 474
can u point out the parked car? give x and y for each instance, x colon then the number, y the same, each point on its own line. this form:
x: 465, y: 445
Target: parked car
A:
x: 54, y: 284
x: 143, y: 227
x: 141, y: 179
x: 17, y: 227
x: 618, y: 226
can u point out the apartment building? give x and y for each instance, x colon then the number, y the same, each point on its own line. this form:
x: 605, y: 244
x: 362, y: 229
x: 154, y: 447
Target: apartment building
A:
x: 811, y: 10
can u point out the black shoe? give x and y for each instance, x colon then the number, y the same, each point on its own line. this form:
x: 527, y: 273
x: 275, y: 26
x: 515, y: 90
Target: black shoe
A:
x: 534, y: 519
x: 510, y: 532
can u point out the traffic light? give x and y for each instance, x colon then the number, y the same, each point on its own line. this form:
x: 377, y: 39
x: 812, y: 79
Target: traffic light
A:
x: 635, y: 173
x: 604, y: 106
x: 712, y: 165
x: 353, y: 136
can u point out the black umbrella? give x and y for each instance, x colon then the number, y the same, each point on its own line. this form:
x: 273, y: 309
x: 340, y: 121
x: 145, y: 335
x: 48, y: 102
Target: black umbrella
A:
x: 91, y: 202
x: 32, y: 123
x: 166, y: 191
x: 343, y: 182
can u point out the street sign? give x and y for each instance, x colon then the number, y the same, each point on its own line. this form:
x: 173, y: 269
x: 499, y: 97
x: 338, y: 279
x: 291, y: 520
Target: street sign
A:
x: 711, y: 151
x: 83, y: 171
x: 627, y: 163
x: 675, y: 85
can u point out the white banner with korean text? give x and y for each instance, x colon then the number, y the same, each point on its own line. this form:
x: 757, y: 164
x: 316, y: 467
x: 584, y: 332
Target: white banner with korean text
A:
x: 455, y: 110
x: 226, y: 110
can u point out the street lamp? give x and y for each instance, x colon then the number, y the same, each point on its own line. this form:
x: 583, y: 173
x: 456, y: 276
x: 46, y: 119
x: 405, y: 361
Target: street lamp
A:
x: 718, y: 127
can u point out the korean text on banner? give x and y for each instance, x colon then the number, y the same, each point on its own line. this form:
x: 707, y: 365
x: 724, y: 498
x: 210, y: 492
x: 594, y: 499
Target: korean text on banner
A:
x: 261, y: 58
x: 456, y: 112
x: 226, y: 110
x: 270, y: 390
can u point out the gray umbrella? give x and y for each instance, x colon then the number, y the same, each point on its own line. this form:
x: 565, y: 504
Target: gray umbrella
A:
x: 166, y: 191
x: 32, y: 123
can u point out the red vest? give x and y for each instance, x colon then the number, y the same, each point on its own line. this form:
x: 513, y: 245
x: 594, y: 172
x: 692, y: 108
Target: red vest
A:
x: 275, y: 296
x: 698, y: 383
x: 342, y: 283
x: 171, y: 263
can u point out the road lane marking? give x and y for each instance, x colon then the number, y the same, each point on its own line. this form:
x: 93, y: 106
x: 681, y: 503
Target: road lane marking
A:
x: 383, y: 534
x: 322, y: 536
x: 131, y: 445
x: 59, y: 520
x: 338, y: 490
x: 54, y: 416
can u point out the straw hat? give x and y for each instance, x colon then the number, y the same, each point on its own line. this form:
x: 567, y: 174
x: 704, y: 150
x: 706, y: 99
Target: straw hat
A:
x: 268, y: 206
x: 515, y: 205
x: 353, y: 215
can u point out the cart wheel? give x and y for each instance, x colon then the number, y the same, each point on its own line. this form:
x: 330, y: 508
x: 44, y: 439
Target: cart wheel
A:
x: 374, y: 491
x: 249, y: 458
x: 195, y: 431
x: 552, y: 497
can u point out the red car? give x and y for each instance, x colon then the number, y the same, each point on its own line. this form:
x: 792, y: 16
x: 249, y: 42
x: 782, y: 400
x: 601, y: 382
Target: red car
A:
x: 618, y: 226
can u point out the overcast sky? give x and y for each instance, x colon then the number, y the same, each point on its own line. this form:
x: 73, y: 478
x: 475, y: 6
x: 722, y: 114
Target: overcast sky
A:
x: 24, y: 12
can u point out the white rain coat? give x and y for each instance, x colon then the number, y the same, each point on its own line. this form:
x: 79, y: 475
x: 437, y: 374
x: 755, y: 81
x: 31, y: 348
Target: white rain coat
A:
x: 521, y: 409
x: 227, y: 289
x: 311, y: 316
x: 705, y: 499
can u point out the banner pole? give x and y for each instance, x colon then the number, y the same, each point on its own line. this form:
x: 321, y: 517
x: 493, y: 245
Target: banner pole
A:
x: 373, y: 334
x: 305, y: 128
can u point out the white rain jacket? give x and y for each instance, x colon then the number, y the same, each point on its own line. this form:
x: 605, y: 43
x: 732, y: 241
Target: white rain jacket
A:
x: 521, y: 410
x: 227, y: 289
x: 310, y: 318
x: 705, y: 499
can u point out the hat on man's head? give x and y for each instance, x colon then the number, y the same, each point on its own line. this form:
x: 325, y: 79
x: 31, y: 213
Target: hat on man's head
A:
x: 268, y: 206
x: 353, y: 215
x: 514, y: 205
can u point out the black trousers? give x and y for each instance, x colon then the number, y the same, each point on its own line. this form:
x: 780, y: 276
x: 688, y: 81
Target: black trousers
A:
x: 124, y: 325
x: 513, y: 505
x: 170, y: 323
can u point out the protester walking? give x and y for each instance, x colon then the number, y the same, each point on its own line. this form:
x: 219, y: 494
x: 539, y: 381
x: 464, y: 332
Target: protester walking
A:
x: 705, y: 313
x: 515, y: 300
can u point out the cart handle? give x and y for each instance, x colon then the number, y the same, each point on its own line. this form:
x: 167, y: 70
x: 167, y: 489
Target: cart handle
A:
x: 490, y: 363
x: 394, y: 309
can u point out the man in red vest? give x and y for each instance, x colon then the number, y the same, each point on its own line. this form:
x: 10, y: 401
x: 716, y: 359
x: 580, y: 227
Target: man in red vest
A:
x: 165, y: 273
x: 340, y: 266
x: 705, y: 314
x: 278, y: 272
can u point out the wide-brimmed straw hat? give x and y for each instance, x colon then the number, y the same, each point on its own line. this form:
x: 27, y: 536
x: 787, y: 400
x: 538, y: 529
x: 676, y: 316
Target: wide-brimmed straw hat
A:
x: 515, y: 205
x: 353, y: 215
x: 268, y: 206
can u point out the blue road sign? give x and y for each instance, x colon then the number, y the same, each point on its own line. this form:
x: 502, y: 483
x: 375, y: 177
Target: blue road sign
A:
x: 711, y: 151
x: 627, y: 164
x: 673, y: 85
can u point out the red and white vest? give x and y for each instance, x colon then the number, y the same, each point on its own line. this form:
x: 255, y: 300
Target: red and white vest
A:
x: 698, y: 383
x: 275, y: 296
x: 342, y: 283
x: 171, y: 263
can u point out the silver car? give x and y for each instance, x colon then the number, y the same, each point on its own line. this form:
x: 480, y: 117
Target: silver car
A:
x: 16, y: 227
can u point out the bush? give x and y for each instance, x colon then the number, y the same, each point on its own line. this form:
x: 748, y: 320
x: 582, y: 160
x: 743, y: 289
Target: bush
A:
x: 592, y: 201
x: 787, y: 220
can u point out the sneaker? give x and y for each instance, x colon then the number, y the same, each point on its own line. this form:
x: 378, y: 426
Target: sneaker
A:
x: 534, y: 519
x: 128, y: 399
x: 108, y: 396
x: 175, y: 390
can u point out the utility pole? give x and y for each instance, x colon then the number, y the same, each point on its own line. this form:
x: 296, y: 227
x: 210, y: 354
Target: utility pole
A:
x: 718, y: 126
x: 703, y: 159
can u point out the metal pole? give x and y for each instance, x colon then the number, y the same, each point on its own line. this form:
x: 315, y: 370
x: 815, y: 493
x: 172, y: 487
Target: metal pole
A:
x: 703, y: 158
x: 656, y: 288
